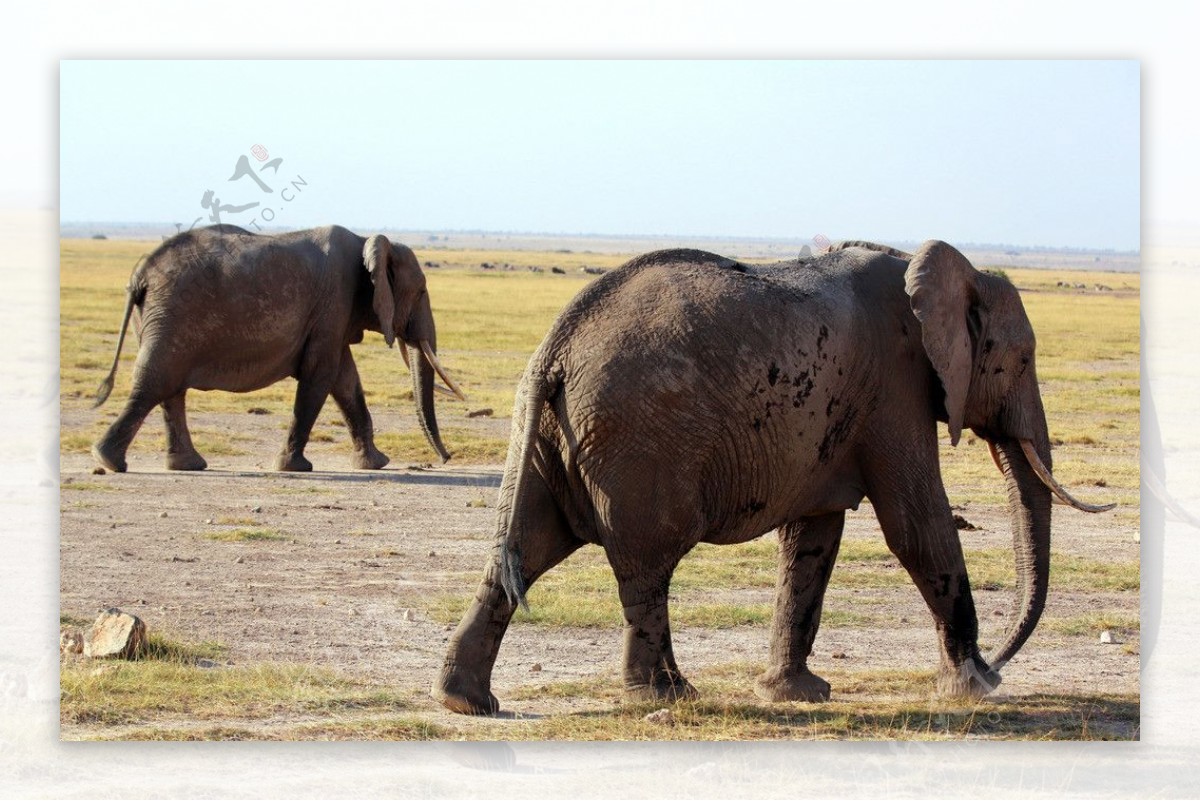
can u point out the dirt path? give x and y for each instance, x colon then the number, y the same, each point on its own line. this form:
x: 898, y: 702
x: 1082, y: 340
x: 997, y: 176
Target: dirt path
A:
x: 358, y: 564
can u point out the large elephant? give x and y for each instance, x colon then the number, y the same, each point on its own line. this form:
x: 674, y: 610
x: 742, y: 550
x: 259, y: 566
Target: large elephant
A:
x: 688, y: 398
x: 222, y: 308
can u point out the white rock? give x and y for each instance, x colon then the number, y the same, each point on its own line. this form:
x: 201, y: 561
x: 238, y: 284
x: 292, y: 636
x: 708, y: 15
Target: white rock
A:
x: 661, y: 717
x: 410, y: 615
x: 115, y: 634
x: 1107, y: 637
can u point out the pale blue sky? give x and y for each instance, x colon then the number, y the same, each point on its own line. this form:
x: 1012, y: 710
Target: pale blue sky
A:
x: 1020, y: 152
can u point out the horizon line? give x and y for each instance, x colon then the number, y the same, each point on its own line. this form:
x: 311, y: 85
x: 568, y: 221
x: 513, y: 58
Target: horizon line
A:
x: 780, y: 240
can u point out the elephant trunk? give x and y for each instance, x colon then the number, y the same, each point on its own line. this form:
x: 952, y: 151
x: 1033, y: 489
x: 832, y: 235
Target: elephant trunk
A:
x: 1029, y: 507
x: 420, y: 333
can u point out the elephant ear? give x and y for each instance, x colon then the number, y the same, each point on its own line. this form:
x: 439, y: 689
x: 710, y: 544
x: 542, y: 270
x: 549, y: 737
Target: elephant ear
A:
x: 941, y: 287
x: 376, y: 256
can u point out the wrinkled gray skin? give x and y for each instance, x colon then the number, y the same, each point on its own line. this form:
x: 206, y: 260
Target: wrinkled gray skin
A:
x: 222, y: 308
x: 687, y: 398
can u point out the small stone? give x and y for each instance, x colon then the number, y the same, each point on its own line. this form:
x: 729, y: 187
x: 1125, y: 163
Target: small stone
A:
x: 337, y: 542
x: 239, y: 560
x: 432, y: 554
x: 98, y: 471
x: 903, y: 620
x: 487, y: 412
x: 410, y: 615
x: 206, y: 663
x: 257, y: 510
x: 998, y: 613
x: 1107, y: 638
x: 210, y: 521
x: 163, y: 514
x: 962, y: 524
x: 70, y: 642
x: 115, y: 634
x: 838, y: 655
x: 661, y: 717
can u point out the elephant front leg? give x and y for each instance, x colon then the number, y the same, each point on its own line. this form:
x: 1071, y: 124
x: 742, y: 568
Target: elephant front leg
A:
x: 348, y: 394
x: 181, y: 453
x: 920, y: 531
x: 807, y: 550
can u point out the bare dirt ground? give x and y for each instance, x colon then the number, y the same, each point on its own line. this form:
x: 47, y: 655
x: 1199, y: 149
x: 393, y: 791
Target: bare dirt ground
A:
x: 353, y: 582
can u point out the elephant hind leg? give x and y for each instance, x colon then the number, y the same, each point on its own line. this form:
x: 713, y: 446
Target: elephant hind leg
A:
x: 181, y: 453
x: 649, y: 659
x: 807, y: 550
x: 110, y: 449
x: 464, y: 684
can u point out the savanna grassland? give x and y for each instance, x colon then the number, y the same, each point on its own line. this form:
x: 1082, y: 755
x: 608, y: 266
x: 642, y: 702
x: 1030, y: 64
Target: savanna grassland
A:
x: 317, y: 606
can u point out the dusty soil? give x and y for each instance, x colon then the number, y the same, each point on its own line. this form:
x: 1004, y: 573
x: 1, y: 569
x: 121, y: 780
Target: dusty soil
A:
x: 365, y: 556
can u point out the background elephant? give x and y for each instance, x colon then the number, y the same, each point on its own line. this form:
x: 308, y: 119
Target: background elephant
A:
x: 688, y: 398
x: 222, y: 308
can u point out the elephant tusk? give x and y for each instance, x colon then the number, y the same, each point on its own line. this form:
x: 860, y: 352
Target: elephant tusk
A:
x: 1040, y: 469
x: 436, y: 387
x: 433, y: 362
x: 995, y: 456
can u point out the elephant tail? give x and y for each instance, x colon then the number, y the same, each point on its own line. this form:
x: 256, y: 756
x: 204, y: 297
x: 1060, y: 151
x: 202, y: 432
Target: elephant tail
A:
x: 542, y: 387
x: 135, y: 293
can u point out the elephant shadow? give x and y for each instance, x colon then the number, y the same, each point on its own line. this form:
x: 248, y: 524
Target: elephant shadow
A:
x: 481, y: 477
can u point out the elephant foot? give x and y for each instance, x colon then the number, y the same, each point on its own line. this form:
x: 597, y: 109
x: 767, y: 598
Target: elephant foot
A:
x: 186, y: 461
x: 107, y: 457
x: 464, y: 695
x: 371, y: 459
x: 665, y: 686
x: 791, y: 685
x: 972, y: 679
x: 293, y: 463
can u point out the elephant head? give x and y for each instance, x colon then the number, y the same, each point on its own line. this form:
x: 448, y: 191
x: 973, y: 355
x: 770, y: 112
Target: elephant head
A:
x: 981, y: 344
x: 401, y: 304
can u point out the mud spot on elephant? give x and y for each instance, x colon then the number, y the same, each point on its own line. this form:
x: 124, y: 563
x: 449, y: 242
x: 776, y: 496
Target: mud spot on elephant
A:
x: 803, y: 383
x: 837, y: 433
x: 773, y: 374
x: 822, y: 338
